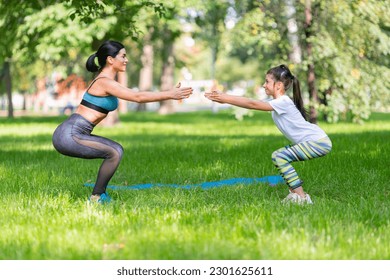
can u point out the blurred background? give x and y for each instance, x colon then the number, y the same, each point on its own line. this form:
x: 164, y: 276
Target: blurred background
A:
x: 339, y: 50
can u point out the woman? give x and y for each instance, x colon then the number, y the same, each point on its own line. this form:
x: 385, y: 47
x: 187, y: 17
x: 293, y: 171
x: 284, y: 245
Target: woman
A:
x: 308, y: 140
x: 73, y: 137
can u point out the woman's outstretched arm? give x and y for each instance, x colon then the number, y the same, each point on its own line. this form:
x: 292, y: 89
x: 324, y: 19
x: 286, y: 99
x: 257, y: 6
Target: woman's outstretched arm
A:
x: 116, y: 89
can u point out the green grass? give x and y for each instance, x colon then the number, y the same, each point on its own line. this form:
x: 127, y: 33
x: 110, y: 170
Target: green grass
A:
x: 44, y: 214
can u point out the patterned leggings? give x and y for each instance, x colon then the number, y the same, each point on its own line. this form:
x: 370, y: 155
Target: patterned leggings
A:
x: 73, y: 138
x: 298, y: 152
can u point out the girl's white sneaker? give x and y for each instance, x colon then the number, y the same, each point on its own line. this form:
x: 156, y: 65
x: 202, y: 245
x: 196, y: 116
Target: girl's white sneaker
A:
x: 295, y: 198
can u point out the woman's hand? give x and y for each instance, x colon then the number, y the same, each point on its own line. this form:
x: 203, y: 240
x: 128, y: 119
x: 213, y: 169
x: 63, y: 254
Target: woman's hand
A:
x: 215, y: 96
x: 181, y: 93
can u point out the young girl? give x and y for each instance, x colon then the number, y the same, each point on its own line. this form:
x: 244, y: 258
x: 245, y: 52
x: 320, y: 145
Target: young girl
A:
x: 73, y: 137
x: 308, y: 140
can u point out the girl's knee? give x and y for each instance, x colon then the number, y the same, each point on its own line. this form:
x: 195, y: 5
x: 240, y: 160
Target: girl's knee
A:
x: 278, y: 158
x: 275, y: 156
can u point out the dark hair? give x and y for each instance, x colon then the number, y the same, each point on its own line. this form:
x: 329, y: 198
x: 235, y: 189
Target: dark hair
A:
x: 108, y: 48
x: 282, y: 74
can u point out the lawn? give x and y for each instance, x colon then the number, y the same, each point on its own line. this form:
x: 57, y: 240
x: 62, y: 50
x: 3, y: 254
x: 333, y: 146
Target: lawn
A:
x: 45, y: 215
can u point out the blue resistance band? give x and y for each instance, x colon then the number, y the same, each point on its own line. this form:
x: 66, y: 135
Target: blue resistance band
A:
x: 271, y: 180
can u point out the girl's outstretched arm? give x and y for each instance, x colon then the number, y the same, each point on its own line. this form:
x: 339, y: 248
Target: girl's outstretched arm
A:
x: 239, y: 101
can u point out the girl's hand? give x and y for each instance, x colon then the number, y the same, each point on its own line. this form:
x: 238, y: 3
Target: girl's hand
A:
x: 181, y: 93
x: 215, y: 96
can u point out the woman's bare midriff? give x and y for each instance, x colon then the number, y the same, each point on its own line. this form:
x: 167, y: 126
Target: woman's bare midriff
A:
x: 91, y: 115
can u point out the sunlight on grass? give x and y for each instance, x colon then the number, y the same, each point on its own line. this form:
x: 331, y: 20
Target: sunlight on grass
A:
x: 32, y: 129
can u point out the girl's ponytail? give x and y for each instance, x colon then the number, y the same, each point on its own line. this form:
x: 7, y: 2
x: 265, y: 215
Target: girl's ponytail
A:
x: 283, y: 74
x: 297, y: 97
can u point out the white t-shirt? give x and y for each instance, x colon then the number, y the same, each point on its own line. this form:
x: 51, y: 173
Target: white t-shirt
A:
x: 291, y: 123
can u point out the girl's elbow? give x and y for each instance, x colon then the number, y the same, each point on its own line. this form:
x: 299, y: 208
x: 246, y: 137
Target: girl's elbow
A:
x: 261, y: 106
x: 254, y: 106
x: 258, y: 108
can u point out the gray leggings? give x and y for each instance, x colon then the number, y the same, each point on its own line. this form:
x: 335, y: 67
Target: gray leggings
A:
x: 73, y: 138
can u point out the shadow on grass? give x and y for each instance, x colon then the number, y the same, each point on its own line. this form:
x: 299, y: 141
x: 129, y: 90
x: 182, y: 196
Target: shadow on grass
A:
x: 150, y: 117
x: 29, y: 120
x: 187, y: 117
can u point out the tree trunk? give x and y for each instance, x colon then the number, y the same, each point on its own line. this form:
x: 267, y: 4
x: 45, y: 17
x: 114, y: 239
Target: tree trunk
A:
x: 324, y: 101
x: 167, y: 82
x: 24, y: 108
x: 146, y: 75
x: 214, y: 49
x: 122, y: 79
x: 214, y: 56
x: 292, y: 27
x: 8, y: 86
x: 311, y: 77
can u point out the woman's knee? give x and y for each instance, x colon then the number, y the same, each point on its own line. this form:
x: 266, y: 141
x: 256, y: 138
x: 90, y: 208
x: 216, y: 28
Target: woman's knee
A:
x: 117, y: 152
x: 120, y: 151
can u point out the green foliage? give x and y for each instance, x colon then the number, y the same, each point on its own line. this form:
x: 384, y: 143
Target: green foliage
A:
x: 231, y: 70
x: 126, y: 12
x: 50, y: 41
x: 161, y: 32
x: 51, y: 35
x: 88, y: 10
x: 209, y: 16
x: 256, y: 36
x: 64, y: 34
x: 350, y: 39
x: 45, y: 214
x: 11, y: 18
x: 351, y: 46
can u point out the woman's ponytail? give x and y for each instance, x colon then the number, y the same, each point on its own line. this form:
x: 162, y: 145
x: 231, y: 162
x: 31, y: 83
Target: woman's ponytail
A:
x: 91, y: 64
x: 108, y: 48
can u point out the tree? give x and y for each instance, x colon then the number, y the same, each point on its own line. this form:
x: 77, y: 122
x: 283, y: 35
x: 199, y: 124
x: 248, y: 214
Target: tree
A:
x: 352, y: 44
x: 11, y: 18
x: 311, y: 76
x: 345, y: 49
x: 158, y: 57
x: 210, y: 17
x: 169, y: 32
x: 146, y: 74
x: 46, y: 29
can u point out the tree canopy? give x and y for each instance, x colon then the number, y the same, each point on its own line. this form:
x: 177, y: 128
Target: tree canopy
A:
x: 338, y: 49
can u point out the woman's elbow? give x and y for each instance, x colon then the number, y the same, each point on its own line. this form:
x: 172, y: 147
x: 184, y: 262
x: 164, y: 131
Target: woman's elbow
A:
x: 137, y: 98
